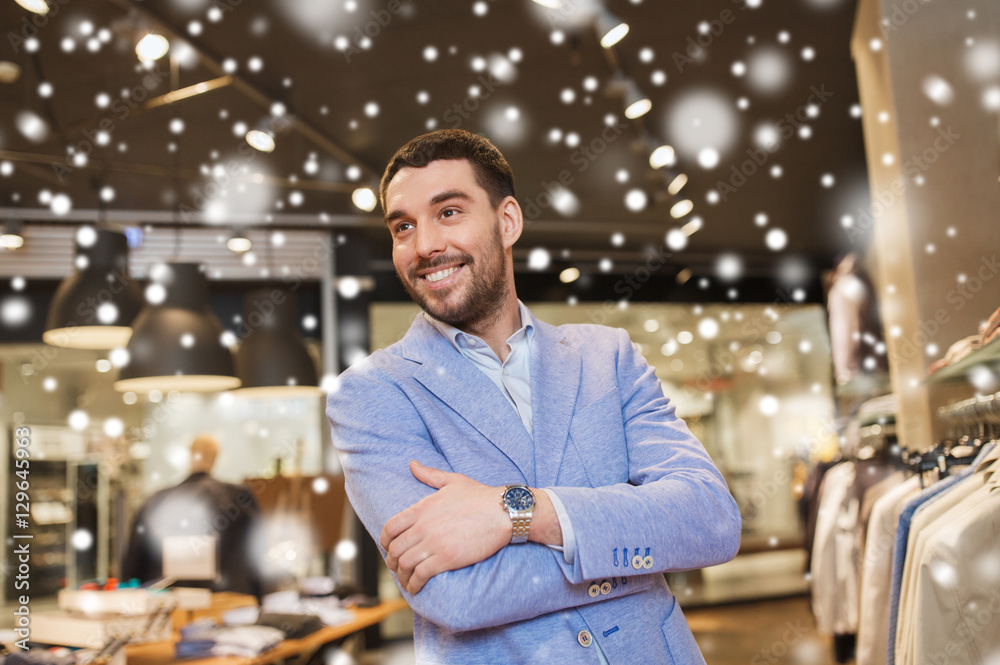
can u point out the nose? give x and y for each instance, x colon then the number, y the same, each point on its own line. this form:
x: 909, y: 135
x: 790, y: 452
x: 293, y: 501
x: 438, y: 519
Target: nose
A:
x: 429, y: 240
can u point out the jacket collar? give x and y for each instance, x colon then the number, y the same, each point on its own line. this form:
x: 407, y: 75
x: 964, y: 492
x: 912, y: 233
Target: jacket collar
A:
x: 456, y: 381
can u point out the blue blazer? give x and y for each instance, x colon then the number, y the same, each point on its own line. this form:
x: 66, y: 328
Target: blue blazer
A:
x: 634, y: 481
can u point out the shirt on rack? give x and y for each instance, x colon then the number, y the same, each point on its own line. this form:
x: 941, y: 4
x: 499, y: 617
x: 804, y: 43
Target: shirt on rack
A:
x: 957, y: 595
x: 964, y: 497
x: 831, y: 559
x: 873, y: 494
x: 921, y: 528
x: 877, y: 567
x: 900, y: 595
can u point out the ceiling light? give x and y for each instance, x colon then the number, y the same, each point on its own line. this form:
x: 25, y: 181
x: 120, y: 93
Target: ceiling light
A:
x: 610, y: 29
x: 36, y: 6
x: 677, y: 184
x: 681, y: 208
x: 152, y: 47
x: 364, y: 198
x: 261, y: 138
x: 636, y: 103
x: 12, y: 238
x: 569, y: 275
x: 94, y: 307
x: 273, y: 360
x: 692, y: 227
x: 239, y: 242
x: 9, y: 71
x: 178, y: 343
x: 662, y: 156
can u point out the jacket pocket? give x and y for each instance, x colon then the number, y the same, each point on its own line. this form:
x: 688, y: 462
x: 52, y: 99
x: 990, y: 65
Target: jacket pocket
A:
x: 680, y: 641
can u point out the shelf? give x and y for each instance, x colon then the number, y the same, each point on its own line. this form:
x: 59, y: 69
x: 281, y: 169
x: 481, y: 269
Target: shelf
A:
x: 957, y: 372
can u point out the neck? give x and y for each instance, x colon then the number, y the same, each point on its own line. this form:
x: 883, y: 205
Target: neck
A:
x: 499, y: 326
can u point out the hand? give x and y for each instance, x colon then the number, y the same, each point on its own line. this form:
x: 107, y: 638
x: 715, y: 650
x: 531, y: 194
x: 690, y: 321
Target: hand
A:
x: 460, y: 524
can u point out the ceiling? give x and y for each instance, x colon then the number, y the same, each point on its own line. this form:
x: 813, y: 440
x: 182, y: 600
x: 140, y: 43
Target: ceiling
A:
x: 719, y: 73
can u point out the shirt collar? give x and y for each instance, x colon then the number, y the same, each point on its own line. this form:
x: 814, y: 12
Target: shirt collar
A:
x: 453, y: 334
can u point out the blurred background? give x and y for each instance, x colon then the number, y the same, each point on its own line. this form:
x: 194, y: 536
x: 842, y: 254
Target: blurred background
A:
x: 790, y: 206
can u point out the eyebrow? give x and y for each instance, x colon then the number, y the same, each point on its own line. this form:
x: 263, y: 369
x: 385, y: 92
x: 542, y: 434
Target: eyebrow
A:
x: 440, y: 198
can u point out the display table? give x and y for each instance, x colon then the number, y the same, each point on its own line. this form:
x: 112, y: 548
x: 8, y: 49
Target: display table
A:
x: 161, y: 653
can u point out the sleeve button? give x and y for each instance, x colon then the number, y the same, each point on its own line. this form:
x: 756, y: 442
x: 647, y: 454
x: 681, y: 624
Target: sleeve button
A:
x: 606, y: 588
x: 594, y: 590
x: 584, y: 638
x: 647, y: 563
x: 637, y: 562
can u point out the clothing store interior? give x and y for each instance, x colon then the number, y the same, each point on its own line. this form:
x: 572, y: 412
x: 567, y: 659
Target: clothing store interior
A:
x: 789, y: 205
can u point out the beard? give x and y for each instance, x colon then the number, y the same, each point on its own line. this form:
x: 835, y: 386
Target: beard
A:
x: 485, y: 288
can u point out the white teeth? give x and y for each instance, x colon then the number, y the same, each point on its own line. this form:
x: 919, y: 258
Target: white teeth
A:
x: 440, y: 274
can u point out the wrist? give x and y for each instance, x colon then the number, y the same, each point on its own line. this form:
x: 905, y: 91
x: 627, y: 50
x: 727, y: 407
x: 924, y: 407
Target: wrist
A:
x: 545, y: 527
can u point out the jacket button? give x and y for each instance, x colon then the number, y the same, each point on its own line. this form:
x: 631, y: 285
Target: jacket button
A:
x: 647, y: 563
x: 584, y: 638
x: 594, y: 590
x: 606, y: 588
x: 637, y: 562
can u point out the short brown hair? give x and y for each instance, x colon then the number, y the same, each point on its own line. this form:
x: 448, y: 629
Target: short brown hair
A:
x: 492, y: 171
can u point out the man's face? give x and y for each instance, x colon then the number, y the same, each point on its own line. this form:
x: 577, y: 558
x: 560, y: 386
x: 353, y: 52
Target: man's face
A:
x: 447, y: 244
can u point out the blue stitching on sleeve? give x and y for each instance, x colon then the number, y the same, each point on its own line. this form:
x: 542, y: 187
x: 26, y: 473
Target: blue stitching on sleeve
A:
x: 610, y: 630
x: 616, y: 557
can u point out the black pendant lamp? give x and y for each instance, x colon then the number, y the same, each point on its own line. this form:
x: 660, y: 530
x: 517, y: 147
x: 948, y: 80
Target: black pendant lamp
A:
x: 272, y: 360
x: 94, y: 306
x: 177, y: 343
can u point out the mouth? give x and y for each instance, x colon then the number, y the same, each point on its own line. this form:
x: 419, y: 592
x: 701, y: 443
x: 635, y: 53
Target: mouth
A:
x: 443, y: 277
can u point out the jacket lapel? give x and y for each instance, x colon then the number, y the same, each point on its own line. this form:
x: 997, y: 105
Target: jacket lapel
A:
x: 555, y: 384
x: 457, y: 382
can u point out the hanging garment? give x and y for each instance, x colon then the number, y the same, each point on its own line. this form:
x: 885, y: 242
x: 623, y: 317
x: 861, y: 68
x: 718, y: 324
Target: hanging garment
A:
x: 962, y: 497
x: 831, y: 557
x: 873, y: 494
x: 957, y: 594
x: 877, y: 566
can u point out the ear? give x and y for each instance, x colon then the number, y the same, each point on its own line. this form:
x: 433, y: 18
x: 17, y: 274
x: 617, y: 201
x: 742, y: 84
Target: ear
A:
x: 511, y: 221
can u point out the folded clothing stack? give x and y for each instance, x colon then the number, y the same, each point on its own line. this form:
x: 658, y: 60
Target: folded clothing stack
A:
x: 204, y: 638
x: 329, y: 609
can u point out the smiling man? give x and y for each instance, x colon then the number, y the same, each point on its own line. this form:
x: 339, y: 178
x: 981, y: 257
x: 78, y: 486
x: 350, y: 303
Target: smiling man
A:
x: 527, y: 484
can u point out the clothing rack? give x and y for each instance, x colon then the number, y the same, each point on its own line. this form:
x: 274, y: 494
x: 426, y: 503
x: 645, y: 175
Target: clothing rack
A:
x: 971, y: 423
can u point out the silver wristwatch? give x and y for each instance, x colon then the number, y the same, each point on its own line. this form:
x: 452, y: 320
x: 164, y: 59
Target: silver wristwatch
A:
x: 518, y: 501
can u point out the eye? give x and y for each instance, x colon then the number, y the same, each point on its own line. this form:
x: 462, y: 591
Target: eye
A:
x: 401, y: 227
x: 449, y: 212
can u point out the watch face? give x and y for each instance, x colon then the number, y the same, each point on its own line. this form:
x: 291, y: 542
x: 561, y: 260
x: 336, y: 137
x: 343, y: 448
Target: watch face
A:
x: 518, y: 498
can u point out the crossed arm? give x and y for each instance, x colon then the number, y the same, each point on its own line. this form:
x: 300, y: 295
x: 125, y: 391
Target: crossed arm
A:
x: 460, y: 524
x: 445, y: 535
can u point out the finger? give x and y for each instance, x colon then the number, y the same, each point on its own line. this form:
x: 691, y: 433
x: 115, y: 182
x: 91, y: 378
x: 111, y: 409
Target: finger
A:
x: 423, y: 573
x: 410, y: 559
x: 396, y: 525
x: 399, y: 546
x: 435, y: 478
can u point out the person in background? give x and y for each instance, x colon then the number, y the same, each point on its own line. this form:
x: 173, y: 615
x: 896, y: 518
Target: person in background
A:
x: 528, y: 485
x: 201, y: 506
